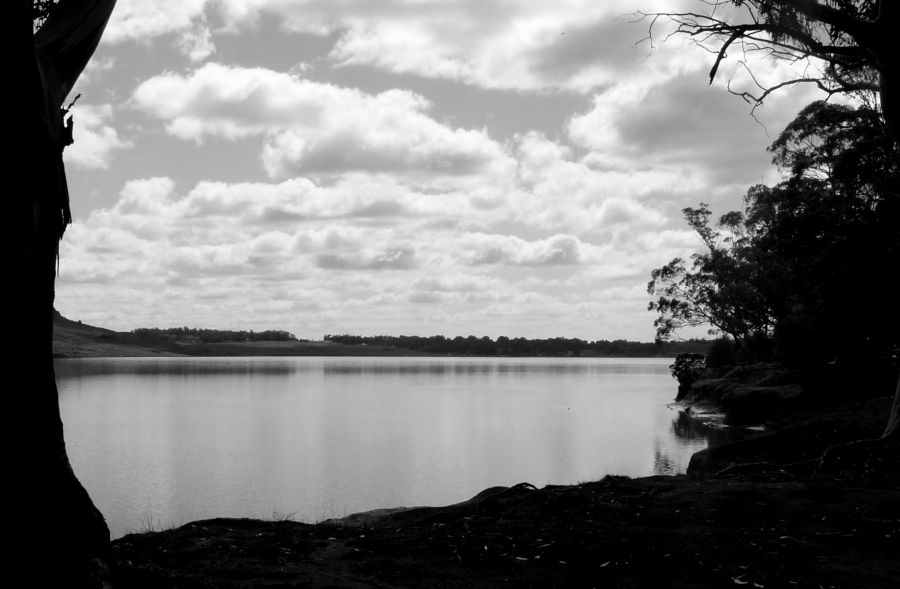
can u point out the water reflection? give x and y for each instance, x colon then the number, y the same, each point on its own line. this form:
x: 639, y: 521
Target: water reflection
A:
x: 168, y: 366
x: 179, y: 439
x: 689, y: 434
x: 77, y: 367
x: 663, y: 464
x: 492, y: 366
x: 690, y: 429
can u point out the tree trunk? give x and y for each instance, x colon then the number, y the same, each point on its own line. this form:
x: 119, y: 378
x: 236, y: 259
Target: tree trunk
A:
x: 889, y: 72
x: 892, y: 431
x: 890, y: 107
x: 59, y: 537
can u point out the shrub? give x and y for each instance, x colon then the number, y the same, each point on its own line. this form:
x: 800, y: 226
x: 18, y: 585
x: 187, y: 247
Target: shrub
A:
x: 687, y: 368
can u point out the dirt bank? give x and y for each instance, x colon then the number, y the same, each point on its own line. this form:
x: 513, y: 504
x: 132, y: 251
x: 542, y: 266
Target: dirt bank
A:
x: 791, y: 523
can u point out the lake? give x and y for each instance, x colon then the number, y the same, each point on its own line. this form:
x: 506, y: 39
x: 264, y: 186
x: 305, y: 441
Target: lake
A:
x: 163, y: 441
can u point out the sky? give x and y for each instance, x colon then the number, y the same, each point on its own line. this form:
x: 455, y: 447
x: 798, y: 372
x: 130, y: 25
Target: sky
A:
x: 416, y: 167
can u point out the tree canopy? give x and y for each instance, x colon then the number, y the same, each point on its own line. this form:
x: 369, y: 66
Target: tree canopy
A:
x: 809, y: 262
x: 849, y: 44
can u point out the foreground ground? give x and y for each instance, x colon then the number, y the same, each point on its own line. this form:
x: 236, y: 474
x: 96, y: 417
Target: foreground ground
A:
x: 774, y: 519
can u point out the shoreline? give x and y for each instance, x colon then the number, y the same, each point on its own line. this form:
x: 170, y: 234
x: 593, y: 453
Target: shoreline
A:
x: 776, y: 520
x: 762, y: 511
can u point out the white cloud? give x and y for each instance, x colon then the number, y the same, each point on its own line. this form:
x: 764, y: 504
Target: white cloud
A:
x: 315, y: 128
x: 557, y: 250
x: 364, y: 200
x: 562, y: 193
x: 577, y: 45
x: 96, y: 140
x: 338, y: 258
x: 196, y: 43
x: 680, y: 123
x: 141, y: 20
x: 97, y: 67
x: 396, y: 258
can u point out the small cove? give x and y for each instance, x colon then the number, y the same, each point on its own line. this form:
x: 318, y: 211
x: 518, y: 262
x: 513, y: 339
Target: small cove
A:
x: 163, y: 441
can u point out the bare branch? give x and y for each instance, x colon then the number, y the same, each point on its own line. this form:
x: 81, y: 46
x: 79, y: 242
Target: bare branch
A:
x: 789, y: 30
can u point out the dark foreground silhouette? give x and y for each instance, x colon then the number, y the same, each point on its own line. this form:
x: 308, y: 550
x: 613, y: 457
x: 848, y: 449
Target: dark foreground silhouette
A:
x: 777, y: 516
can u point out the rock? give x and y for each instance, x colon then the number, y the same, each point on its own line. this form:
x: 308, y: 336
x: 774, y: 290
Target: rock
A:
x: 748, y: 395
x: 798, y: 440
x: 709, y: 390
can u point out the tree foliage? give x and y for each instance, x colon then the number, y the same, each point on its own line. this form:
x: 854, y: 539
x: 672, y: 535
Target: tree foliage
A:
x: 848, y: 45
x: 810, y: 261
x: 520, y: 346
x: 212, y: 335
x: 40, y: 10
x: 715, y: 288
x: 687, y: 369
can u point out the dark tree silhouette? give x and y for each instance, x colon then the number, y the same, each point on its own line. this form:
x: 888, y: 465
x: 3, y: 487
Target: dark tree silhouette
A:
x: 718, y: 288
x: 853, y: 40
x: 59, y: 538
x: 797, y: 263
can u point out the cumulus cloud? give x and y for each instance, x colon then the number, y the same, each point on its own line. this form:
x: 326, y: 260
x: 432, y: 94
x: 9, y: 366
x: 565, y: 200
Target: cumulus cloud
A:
x: 99, y: 65
x: 398, y: 258
x: 304, y: 252
x: 455, y: 283
x: 560, y: 192
x: 557, y: 250
x: 363, y: 199
x: 196, y: 43
x: 426, y: 298
x: 374, y: 206
x: 589, y: 55
x: 316, y: 128
x: 577, y: 45
x: 137, y: 20
x: 96, y: 140
x: 678, y: 121
x: 573, y: 45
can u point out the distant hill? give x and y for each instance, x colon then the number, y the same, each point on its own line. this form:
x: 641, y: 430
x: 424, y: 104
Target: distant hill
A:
x: 77, y: 340
x: 74, y: 339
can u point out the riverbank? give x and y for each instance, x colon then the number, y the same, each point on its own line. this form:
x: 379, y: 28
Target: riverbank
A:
x: 780, y: 519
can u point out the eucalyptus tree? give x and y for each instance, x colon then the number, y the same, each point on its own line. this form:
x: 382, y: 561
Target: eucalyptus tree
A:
x: 848, y: 46
x: 59, y: 537
x: 808, y: 263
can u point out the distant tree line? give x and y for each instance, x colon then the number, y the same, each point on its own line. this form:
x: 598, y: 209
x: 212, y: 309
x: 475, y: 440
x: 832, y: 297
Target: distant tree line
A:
x: 210, y: 336
x: 520, y: 346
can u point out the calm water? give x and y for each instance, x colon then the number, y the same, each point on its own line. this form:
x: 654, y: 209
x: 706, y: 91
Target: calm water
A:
x: 162, y: 441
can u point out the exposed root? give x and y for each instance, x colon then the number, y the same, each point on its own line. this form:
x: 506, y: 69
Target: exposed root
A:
x: 863, y: 457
